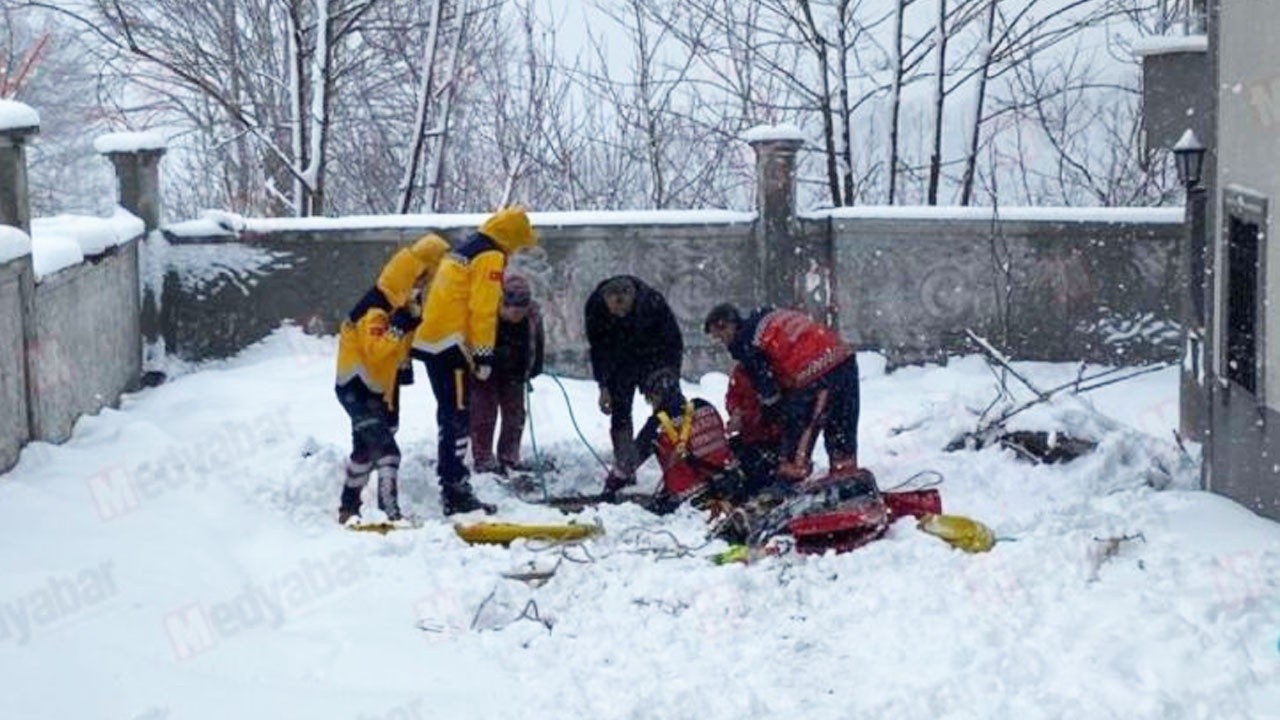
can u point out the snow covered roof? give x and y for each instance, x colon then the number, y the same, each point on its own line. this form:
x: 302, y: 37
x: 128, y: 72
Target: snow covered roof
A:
x: 13, y: 243
x: 64, y: 240
x: 1165, y: 44
x: 1172, y: 215
x: 770, y: 133
x: 129, y: 142
x: 15, y: 115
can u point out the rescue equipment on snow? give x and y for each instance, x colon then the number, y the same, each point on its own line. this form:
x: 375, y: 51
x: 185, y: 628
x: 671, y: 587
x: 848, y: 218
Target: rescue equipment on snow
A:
x: 960, y: 532
x: 836, y: 513
x: 383, y: 527
x: 496, y: 533
x: 916, y: 503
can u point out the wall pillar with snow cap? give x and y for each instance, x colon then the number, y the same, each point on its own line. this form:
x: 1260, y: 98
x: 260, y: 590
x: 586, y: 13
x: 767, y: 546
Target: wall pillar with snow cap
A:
x: 786, y: 260
x: 136, y: 158
x: 17, y: 123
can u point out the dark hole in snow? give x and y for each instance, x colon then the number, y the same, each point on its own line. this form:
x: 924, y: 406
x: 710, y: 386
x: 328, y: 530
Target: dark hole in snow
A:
x: 152, y: 378
x: 1031, y: 445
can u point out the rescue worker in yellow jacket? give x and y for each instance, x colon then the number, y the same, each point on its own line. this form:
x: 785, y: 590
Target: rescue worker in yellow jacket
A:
x: 456, y: 340
x: 373, y: 358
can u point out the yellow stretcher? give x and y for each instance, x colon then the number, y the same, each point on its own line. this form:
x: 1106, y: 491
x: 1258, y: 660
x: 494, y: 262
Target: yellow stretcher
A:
x: 499, y: 533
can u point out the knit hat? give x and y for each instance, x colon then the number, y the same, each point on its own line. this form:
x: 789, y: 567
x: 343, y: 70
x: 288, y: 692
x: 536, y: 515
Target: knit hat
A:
x: 516, y: 291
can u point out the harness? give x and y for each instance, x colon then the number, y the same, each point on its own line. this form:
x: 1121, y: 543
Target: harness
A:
x: 678, y: 438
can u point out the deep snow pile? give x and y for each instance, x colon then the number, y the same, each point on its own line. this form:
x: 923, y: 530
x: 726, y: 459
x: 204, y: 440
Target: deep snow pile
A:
x: 177, y: 558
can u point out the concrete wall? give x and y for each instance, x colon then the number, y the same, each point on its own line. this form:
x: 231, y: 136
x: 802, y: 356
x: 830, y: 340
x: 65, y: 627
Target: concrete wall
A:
x: 908, y: 288
x: 221, y: 295
x: 1246, y: 428
x: 1096, y: 291
x: 14, y: 425
x: 87, y: 347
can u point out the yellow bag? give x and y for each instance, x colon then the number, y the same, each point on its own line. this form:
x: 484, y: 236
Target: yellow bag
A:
x: 960, y: 532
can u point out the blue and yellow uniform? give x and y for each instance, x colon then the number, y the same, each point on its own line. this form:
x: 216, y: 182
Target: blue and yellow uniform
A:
x: 457, y: 335
x: 373, y: 346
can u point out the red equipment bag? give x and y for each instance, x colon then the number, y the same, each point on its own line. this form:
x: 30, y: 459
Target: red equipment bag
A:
x: 916, y: 503
x: 841, y: 514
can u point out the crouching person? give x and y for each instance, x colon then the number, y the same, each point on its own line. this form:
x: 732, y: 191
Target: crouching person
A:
x: 517, y: 359
x: 754, y: 436
x: 688, y: 436
x: 373, y: 352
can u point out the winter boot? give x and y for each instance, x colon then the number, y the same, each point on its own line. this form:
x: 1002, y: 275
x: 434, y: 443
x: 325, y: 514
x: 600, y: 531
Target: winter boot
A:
x: 350, y: 505
x: 458, y: 497
x: 357, y: 476
x: 388, y: 490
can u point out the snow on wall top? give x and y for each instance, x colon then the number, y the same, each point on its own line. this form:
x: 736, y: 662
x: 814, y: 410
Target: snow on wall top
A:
x: 1172, y: 215
x: 767, y: 133
x: 13, y: 243
x: 217, y: 222
x: 128, y: 142
x: 64, y: 240
x: 1165, y: 44
x: 14, y: 115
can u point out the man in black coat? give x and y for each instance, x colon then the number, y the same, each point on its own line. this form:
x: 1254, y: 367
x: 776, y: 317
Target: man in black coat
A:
x: 632, y: 333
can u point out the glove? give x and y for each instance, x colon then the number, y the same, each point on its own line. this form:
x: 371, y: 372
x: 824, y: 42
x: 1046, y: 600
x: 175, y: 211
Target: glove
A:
x: 728, y: 486
x: 771, y: 411
x: 606, y: 401
x: 404, y: 321
x: 483, y: 371
x: 664, y: 503
x: 404, y: 374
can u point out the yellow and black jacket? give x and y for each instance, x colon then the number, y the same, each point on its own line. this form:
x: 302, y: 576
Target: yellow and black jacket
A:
x: 461, y: 309
x: 373, y: 342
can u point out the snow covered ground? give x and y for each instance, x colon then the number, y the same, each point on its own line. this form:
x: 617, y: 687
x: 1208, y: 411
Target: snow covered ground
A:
x: 176, y: 559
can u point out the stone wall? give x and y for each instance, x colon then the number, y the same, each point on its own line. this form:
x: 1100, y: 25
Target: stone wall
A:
x: 87, y: 346
x: 1079, y: 288
x: 15, y: 292
x: 1074, y: 289
x: 221, y: 294
x: 69, y: 345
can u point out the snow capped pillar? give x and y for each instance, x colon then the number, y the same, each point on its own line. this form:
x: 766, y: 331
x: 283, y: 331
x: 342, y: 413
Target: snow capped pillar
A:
x: 17, y: 123
x: 776, y: 228
x: 136, y: 157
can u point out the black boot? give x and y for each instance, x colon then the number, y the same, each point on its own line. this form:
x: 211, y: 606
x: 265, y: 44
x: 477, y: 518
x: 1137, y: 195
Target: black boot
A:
x: 350, y: 506
x: 458, y: 497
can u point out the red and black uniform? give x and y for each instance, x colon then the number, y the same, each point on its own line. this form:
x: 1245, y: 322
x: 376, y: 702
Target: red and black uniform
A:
x: 755, y: 439
x: 689, y: 438
x: 807, y: 379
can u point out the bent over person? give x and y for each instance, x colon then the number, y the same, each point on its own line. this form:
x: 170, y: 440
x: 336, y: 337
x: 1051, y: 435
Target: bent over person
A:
x: 806, y: 377
x: 456, y: 341
x: 373, y: 352
x: 632, y: 333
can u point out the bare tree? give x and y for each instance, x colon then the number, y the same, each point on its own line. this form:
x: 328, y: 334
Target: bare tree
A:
x: 939, y: 102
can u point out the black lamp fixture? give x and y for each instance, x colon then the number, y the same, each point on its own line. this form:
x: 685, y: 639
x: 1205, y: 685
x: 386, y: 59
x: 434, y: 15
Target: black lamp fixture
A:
x: 1188, y: 154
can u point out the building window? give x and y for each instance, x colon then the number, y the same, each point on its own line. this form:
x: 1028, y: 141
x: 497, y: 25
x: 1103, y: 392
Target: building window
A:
x: 1246, y: 223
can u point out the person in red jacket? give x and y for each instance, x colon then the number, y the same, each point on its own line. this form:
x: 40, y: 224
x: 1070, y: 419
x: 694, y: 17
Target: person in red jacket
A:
x: 688, y: 436
x: 806, y: 377
x: 756, y: 440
